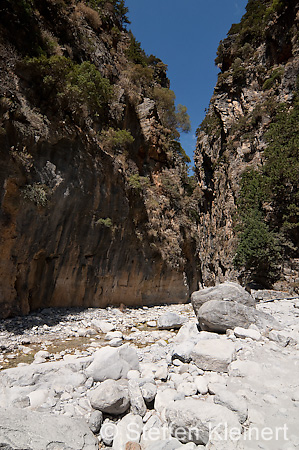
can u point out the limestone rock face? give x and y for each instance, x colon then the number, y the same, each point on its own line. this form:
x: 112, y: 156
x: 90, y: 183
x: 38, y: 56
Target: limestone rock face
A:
x: 232, y: 137
x: 82, y: 218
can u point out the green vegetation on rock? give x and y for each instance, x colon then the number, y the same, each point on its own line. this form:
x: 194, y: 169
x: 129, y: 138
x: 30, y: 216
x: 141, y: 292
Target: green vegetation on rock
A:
x: 73, y: 85
x: 36, y: 193
x: 116, y: 139
x: 252, y: 25
x: 137, y: 182
x: 170, y: 116
x: 119, y: 7
x: 275, y: 76
x: 268, y: 208
x: 107, y: 222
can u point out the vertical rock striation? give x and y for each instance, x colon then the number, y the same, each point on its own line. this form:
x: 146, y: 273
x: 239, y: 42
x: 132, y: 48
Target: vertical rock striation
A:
x: 96, y: 207
x: 259, y: 66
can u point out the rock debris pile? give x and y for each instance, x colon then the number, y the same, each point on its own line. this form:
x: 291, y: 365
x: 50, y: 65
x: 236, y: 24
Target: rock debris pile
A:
x: 151, y: 378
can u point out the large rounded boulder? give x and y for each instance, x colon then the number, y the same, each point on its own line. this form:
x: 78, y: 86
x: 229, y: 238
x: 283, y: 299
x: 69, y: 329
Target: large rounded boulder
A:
x: 220, y: 316
x: 228, y: 291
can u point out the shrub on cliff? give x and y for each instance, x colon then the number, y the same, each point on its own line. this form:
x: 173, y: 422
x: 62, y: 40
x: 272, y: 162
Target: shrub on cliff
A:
x: 116, y: 139
x: 183, y: 119
x: 36, y: 193
x: 170, y: 116
x: 135, y: 53
x: 73, y: 85
x: 120, y: 9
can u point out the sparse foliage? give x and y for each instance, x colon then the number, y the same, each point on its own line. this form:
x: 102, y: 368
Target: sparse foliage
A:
x: 137, y: 182
x: 113, y: 139
x: 73, y: 85
x: 107, y: 222
x: 36, y: 193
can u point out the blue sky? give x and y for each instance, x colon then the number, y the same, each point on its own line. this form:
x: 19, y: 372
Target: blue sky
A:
x: 185, y: 35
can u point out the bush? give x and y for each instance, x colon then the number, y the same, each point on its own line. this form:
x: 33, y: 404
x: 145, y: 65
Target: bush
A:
x: 211, y: 125
x: 120, y: 10
x: 275, y: 78
x: 183, y: 119
x: 171, y: 117
x: 73, y: 85
x: 171, y: 186
x: 259, y: 251
x: 137, y: 182
x: 276, y: 7
x: 251, y: 29
x: 281, y: 169
x: 36, y: 193
x: 90, y: 15
x: 252, y: 25
x: 246, y: 51
x: 116, y: 139
x: 105, y: 222
x: 86, y: 83
x: 140, y: 75
x: 180, y: 152
x: 165, y: 98
x: 135, y: 53
x: 239, y: 71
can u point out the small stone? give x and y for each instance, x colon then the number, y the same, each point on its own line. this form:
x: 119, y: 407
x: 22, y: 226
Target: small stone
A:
x: 170, y: 320
x: 124, y: 433
x: 132, y: 446
x: 116, y: 342
x: 201, y: 385
x: 82, y: 332
x: 95, y: 421
x: 41, y: 356
x: 65, y: 396
x: 110, y: 397
x: 149, y: 391
x: 188, y: 389
x: 280, y: 337
x: 214, y: 355
x: 136, y: 399
x: 161, y: 372
x: 113, y: 334
x: 245, y: 369
x: 247, y: 333
x: 183, y: 351
x: 133, y: 375
x: 102, y: 326
x: 112, y: 363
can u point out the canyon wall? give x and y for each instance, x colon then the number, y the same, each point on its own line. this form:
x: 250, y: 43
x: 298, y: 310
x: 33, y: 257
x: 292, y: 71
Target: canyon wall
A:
x: 96, y: 204
x: 259, y: 67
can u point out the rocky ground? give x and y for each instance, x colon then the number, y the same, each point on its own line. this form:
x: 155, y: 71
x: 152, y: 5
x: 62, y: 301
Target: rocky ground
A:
x: 147, y: 378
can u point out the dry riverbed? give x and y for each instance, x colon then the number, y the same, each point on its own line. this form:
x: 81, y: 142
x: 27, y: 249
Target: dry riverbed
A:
x: 114, y: 368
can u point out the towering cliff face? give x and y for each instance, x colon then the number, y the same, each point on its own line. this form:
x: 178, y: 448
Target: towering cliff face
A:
x: 96, y: 204
x: 259, y: 63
